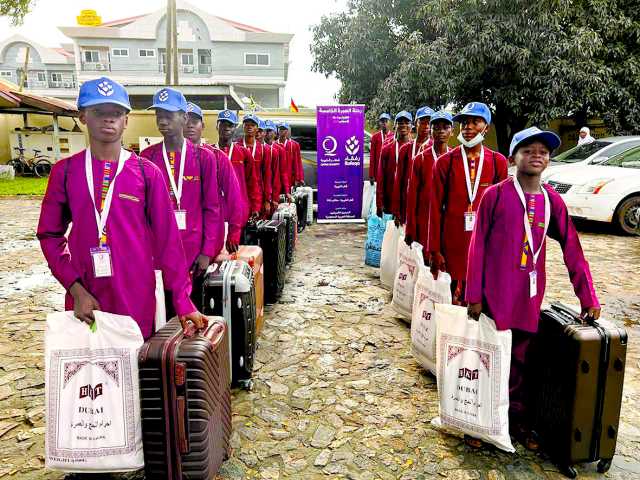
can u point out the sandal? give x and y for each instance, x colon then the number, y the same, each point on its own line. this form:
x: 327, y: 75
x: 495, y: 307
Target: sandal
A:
x: 473, y: 442
x: 527, y: 437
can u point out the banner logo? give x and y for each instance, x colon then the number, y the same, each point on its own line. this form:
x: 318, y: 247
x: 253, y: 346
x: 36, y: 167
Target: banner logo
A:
x: 330, y: 145
x: 352, y: 146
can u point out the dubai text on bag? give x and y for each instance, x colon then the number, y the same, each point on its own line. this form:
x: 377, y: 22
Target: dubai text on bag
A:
x: 473, y: 361
x: 92, y: 394
x: 427, y: 293
x: 409, y: 258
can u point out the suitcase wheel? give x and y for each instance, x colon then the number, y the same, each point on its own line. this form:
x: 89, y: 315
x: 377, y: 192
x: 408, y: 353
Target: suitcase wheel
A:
x: 604, y: 465
x: 246, y: 384
x: 569, y: 471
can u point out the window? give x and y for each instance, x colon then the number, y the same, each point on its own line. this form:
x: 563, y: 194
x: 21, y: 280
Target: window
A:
x: 146, y: 52
x: 581, y: 152
x: 42, y: 77
x: 56, y: 77
x: 186, y: 58
x: 91, y: 56
x: 120, y: 52
x: 630, y: 159
x: 257, y: 59
x: 5, y: 73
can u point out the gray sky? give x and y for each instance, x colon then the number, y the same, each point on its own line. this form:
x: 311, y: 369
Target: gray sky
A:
x: 285, y: 16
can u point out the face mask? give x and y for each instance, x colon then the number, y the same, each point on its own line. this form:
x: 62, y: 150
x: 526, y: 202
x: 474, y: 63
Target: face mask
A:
x: 479, y: 138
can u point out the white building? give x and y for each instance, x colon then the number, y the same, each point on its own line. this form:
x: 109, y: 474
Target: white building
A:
x: 220, y: 61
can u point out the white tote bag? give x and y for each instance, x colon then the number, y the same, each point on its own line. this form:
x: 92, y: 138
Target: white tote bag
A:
x: 427, y: 293
x: 409, y: 258
x: 368, y: 197
x: 389, y: 254
x: 92, y: 394
x: 473, y: 361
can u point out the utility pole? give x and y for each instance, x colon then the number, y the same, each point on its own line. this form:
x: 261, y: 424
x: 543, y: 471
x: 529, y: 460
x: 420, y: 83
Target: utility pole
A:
x: 168, y: 56
x: 23, y: 80
x: 174, y: 37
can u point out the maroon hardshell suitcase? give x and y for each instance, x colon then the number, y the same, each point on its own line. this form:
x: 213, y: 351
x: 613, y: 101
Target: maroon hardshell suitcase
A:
x: 185, y: 402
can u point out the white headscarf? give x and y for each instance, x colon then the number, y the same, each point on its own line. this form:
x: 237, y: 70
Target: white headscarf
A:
x: 587, y: 139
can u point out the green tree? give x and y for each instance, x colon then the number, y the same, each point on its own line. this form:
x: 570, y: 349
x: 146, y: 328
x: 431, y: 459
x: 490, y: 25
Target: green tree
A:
x: 15, y: 9
x: 530, y: 61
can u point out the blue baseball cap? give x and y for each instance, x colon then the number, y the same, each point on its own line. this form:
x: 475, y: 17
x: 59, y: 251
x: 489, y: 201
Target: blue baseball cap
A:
x: 228, y: 116
x: 284, y: 125
x: 270, y: 125
x: 384, y: 116
x: 403, y: 114
x: 251, y: 117
x: 474, y: 109
x: 194, y: 109
x: 103, y: 90
x: 424, y: 112
x: 550, y: 139
x: 441, y: 115
x: 169, y: 99
x: 261, y: 124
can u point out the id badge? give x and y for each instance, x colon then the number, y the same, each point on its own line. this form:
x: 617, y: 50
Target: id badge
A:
x: 181, y: 219
x: 533, y: 284
x: 101, y: 259
x: 469, y: 221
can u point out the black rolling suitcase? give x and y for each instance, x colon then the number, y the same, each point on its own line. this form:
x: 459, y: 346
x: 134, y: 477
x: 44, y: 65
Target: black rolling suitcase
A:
x: 185, y: 402
x: 302, y: 202
x: 270, y: 235
x: 229, y: 292
x: 288, y: 214
x: 577, y: 377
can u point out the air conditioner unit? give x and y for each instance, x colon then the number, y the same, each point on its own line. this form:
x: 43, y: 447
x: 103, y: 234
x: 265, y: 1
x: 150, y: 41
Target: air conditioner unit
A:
x: 187, y: 68
x: 68, y: 85
x: 100, y: 66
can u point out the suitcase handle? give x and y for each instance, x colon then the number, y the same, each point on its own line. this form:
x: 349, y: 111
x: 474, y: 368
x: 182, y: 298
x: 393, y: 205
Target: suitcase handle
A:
x: 575, y: 316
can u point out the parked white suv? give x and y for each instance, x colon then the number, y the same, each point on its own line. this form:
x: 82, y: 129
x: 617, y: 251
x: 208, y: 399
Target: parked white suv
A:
x: 608, y: 192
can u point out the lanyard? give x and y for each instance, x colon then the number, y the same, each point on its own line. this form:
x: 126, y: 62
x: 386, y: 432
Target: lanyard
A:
x: 253, y: 152
x: 472, y: 192
x: 177, y: 191
x: 527, y: 225
x: 397, y: 152
x: 435, y: 155
x: 413, y: 149
x: 101, y: 217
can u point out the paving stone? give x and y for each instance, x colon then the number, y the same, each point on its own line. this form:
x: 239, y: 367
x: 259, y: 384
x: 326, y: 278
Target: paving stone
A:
x: 337, y: 392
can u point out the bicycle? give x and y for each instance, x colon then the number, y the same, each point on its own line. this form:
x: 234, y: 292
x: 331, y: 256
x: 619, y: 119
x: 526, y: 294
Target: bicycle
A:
x: 39, y: 165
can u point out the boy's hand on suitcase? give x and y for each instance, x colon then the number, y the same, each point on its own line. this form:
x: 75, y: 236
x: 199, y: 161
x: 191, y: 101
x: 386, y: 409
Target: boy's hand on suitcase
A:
x: 232, y: 246
x: 83, y: 303
x: 267, y: 208
x: 289, y: 198
x: 255, y: 215
x: 474, y: 310
x: 590, y: 314
x: 193, y: 322
x: 200, y: 265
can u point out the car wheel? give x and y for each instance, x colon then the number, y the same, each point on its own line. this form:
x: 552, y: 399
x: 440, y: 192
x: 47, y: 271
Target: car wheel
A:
x: 628, y: 216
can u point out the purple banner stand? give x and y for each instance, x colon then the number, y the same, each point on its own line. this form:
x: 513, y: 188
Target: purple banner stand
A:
x: 340, y: 144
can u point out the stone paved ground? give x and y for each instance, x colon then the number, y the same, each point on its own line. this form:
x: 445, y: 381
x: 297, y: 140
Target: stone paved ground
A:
x: 337, y: 392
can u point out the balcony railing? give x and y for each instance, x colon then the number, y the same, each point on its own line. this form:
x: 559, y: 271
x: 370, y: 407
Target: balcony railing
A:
x: 95, y: 67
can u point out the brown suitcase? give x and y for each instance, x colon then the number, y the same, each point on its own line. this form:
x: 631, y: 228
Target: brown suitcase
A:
x: 578, y: 373
x: 252, y: 254
x: 185, y: 402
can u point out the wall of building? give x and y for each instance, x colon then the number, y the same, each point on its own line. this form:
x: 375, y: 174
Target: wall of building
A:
x: 228, y: 59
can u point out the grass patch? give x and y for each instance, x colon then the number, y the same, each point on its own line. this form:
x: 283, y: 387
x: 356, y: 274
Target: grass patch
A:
x: 23, y: 186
